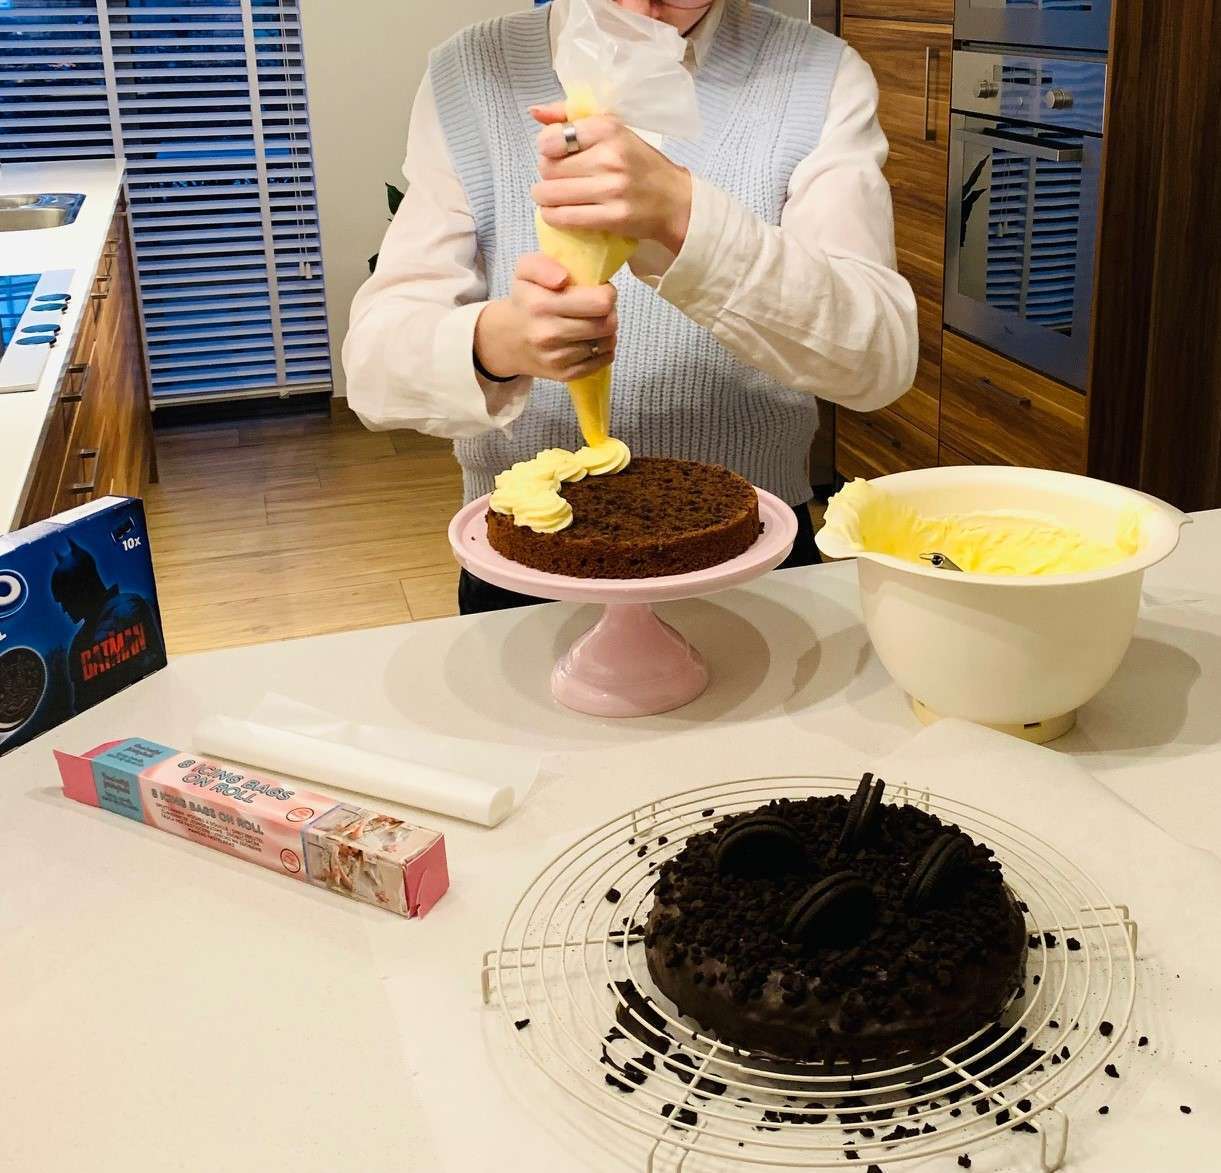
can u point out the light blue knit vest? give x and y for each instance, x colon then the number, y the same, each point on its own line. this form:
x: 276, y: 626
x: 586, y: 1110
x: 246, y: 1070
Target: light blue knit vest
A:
x: 763, y: 92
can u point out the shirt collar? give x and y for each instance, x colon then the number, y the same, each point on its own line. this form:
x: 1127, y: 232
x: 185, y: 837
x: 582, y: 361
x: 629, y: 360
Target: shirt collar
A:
x: 699, y: 39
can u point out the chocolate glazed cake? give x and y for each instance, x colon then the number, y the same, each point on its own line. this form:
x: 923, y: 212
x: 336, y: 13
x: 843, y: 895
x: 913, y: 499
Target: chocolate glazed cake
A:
x: 656, y: 517
x: 829, y: 929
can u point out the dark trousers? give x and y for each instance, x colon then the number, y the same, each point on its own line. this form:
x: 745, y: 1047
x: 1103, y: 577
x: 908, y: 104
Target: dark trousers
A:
x: 476, y: 596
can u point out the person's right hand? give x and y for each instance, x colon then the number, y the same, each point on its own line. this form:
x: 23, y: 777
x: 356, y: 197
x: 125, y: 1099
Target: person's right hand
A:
x: 547, y: 327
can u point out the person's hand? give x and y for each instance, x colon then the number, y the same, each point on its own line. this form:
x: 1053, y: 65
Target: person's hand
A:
x: 615, y: 182
x: 547, y: 327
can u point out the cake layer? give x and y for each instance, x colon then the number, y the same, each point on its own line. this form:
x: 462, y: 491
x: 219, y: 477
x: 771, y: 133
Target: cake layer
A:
x: 657, y: 517
x: 917, y: 981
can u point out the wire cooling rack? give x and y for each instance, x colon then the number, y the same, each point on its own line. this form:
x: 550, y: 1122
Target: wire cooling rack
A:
x: 571, y: 962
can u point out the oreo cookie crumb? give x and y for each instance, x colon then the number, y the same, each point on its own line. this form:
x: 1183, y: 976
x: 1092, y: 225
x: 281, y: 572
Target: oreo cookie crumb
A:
x: 708, y: 812
x: 522, y: 1023
x: 1103, y: 1110
x: 1049, y: 939
x: 613, y: 895
x: 1024, y: 1105
x: 1105, y: 1028
x: 874, y: 1169
x: 1036, y: 979
x: 1185, y: 1109
x: 964, y: 1161
x: 928, y: 1128
x: 1055, y: 1060
x: 852, y: 1154
x: 1143, y: 1041
x: 1054, y: 1024
x: 1064, y: 1054
x: 618, y: 1084
x: 955, y: 1112
x: 641, y: 852
x: 1002, y: 1117
x: 1112, y: 1070
x: 1024, y: 1126
x: 632, y: 841
x: 1073, y: 944
x: 682, y: 1116
x: 662, y: 841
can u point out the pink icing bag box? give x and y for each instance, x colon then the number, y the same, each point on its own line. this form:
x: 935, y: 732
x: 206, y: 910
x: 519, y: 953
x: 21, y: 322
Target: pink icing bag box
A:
x: 375, y: 858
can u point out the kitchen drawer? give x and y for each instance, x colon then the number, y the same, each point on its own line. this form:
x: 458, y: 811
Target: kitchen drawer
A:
x: 879, y: 443
x: 996, y: 411
x: 935, y: 10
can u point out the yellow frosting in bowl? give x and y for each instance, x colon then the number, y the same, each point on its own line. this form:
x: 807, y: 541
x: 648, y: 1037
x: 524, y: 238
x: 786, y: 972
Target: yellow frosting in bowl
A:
x: 1001, y: 542
x: 529, y: 492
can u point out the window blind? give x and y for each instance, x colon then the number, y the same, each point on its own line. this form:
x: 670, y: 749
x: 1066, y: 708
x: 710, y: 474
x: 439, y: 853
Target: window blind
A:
x: 207, y: 101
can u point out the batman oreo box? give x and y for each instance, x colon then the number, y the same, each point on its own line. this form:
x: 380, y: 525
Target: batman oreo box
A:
x: 78, y: 615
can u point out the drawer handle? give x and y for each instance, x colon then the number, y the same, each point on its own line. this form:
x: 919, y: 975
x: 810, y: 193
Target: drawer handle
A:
x: 81, y: 371
x: 103, y: 292
x: 884, y: 435
x: 86, y: 454
x: 1004, y: 396
x: 929, y: 135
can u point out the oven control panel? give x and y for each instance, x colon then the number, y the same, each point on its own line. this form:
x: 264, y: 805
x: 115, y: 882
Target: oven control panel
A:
x: 1069, y: 93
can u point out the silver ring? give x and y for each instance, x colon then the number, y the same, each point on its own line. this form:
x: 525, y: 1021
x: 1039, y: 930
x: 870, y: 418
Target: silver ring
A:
x: 571, y: 142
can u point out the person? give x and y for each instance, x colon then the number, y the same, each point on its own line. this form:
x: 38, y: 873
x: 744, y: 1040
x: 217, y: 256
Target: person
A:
x: 118, y: 637
x: 765, y: 275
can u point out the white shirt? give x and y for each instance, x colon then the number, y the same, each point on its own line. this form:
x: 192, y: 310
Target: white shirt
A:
x: 815, y: 303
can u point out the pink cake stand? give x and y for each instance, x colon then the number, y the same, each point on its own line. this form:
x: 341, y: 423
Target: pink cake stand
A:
x: 630, y: 663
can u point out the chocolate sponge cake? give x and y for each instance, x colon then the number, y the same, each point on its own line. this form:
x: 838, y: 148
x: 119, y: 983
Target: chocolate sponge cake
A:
x: 656, y: 517
x: 832, y: 930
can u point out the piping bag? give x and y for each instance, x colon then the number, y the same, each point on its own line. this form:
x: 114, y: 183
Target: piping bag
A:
x: 611, y: 61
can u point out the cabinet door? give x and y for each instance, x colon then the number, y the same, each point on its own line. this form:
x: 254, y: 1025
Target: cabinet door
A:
x: 941, y: 11
x: 911, y: 61
x: 879, y: 443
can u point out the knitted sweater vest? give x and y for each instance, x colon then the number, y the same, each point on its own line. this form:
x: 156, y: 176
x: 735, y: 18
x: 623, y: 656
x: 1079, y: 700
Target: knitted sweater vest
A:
x: 763, y: 93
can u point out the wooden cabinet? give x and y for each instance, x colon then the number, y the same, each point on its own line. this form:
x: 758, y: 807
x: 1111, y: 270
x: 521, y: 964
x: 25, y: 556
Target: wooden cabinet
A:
x: 938, y: 11
x: 99, y: 435
x: 880, y: 442
x: 911, y: 60
x: 995, y: 411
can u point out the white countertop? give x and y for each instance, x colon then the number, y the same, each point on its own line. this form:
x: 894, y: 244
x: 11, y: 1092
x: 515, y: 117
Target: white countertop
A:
x: 77, y: 246
x: 165, y: 1007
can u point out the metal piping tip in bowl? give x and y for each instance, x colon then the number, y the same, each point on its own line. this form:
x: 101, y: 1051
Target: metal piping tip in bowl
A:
x: 941, y: 562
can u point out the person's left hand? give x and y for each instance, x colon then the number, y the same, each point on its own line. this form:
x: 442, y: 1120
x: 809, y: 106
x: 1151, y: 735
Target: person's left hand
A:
x: 616, y: 181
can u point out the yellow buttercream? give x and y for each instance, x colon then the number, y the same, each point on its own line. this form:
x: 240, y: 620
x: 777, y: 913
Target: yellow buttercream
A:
x: 988, y: 542
x: 591, y: 258
x: 529, y: 492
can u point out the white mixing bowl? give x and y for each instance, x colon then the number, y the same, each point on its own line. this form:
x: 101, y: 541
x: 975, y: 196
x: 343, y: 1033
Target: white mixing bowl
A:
x: 1021, y: 653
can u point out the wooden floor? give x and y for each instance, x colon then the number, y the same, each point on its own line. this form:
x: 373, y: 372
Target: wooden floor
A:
x: 276, y: 528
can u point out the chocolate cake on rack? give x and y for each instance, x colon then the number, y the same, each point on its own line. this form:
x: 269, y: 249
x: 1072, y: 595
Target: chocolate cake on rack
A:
x: 836, y: 930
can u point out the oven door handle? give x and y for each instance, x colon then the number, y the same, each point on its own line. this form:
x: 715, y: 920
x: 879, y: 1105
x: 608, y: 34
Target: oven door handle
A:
x: 1025, y: 146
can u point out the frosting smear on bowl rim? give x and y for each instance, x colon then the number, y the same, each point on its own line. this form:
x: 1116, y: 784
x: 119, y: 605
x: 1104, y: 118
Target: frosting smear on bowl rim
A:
x: 1001, y: 542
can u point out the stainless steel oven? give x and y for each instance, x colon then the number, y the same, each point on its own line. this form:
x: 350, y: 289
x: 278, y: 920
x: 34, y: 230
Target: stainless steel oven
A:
x: 1049, y: 24
x: 1025, y: 156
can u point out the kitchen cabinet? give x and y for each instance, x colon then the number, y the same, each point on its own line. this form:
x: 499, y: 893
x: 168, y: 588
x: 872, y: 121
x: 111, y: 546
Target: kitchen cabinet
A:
x: 937, y: 11
x: 880, y: 442
x: 996, y: 411
x: 911, y: 60
x: 99, y: 438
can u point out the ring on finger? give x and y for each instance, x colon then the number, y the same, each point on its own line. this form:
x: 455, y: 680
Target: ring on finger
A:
x: 572, y: 144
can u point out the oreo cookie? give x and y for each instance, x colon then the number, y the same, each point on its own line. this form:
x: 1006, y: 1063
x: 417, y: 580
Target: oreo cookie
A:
x: 864, y: 812
x: 932, y: 879
x: 758, y: 846
x: 23, y: 680
x: 838, y: 910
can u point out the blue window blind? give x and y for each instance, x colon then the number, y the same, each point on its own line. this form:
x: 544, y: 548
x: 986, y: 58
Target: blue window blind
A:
x: 206, y: 100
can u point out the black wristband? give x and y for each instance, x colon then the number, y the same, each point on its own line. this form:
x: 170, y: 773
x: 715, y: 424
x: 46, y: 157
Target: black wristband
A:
x: 488, y: 374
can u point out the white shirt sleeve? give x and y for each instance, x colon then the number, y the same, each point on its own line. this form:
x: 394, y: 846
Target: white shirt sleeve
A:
x: 816, y: 302
x: 408, y: 355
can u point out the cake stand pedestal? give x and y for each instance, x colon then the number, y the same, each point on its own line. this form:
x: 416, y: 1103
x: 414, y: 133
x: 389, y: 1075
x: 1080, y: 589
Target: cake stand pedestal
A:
x: 630, y: 663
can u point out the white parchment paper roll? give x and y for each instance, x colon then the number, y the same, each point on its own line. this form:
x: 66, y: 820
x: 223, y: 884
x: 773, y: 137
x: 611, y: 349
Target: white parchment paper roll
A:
x: 416, y: 784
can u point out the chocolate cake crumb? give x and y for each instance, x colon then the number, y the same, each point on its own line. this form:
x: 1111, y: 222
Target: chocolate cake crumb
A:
x: 955, y: 1112
x: 613, y: 895
x: 964, y: 1162
x: 1073, y: 944
x: 1053, y: 1024
x: 1036, y: 979
x: 1143, y: 1041
x: 642, y: 852
x: 1002, y: 1117
x: 1024, y: 1105
x: 522, y: 1023
x: 1185, y: 1109
x: 1105, y: 1028
x: 1103, y: 1110
x: 707, y: 812
x: 662, y: 841
x: 1112, y: 1070
x: 1049, y: 939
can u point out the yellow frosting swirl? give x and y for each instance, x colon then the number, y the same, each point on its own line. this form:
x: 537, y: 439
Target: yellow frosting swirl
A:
x: 529, y: 492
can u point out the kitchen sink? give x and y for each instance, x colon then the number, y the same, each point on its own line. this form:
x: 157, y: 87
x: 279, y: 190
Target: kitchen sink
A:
x: 47, y: 209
